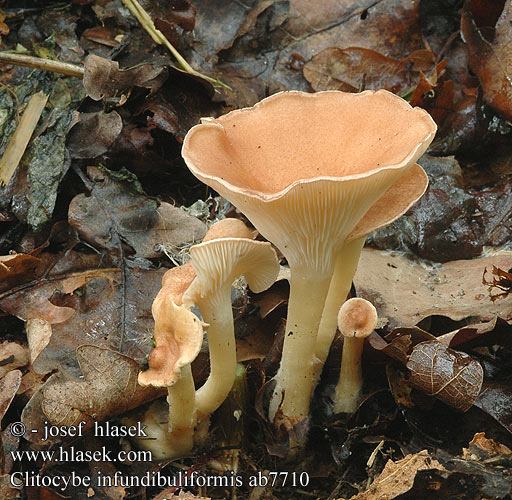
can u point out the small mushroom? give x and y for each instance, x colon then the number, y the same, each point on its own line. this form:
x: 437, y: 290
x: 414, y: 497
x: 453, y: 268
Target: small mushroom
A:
x: 356, y: 320
x: 217, y: 264
x: 305, y: 169
x: 178, y: 339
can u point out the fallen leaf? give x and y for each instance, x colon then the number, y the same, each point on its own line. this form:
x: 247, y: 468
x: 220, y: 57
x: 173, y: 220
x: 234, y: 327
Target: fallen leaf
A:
x: 115, y: 206
x: 490, y: 57
x: 104, y: 80
x: 406, y: 291
x: 88, y: 306
x: 483, y: 448
x: 398, y: 477
x: 9, y: 384
x: 12, y: 356
x: 103, y: 35
x: 355, y: 69
x: 93, y: 135
x: 495, y: 399
x: 451, y: 376
x: 16, y: 269
x: 501, y: 280
x: 109, y: 387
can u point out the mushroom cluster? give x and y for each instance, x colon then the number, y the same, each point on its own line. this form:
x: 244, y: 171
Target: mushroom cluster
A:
x: 227, y: 252
x: 314, y: 174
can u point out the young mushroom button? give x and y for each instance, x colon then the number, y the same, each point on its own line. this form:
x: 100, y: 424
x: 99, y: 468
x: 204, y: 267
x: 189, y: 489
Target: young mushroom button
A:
x: 356, y: 320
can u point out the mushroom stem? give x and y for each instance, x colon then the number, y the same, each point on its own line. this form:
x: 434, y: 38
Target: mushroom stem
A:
x: 216, y: 311
x: 344, y: 270
x: 356, y: 320
x: 308, y: 290
x: 349, y: 386
x: 182, y: 412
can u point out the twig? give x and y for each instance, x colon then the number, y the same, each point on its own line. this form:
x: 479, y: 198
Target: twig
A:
x: 44, y: 64
x: 158, y: 37
x: 21, y: 137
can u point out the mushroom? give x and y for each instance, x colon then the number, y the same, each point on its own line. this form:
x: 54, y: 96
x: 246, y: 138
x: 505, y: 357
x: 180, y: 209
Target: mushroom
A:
x: 356, y: 320
x: 394, y: 203
x: 217, y: 264
x: 305, y: 168
x: 178, y: 339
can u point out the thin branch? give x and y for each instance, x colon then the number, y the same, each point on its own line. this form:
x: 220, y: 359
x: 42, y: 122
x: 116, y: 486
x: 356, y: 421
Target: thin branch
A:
x: 44, y: 64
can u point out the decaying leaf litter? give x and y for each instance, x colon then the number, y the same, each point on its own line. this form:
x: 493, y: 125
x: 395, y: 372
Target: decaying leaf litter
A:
x: 100, y: 205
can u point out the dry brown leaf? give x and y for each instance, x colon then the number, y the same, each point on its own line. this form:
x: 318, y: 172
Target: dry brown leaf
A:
x: 86, y: 307
x: 491, y: 60
x: 481, y: 447
x: 93, y: 135
x: 109, y: 387
x: 136, y: 218
x: 9, y: 384
x: 398, y: 477
x: 36, y: 300
x: 16, y: 269
x: 451, y: 376
x: 355, y: 69
x: 405, y: 292
x: 12, y: 355
x: 104, y: 80
x: 501, y: 280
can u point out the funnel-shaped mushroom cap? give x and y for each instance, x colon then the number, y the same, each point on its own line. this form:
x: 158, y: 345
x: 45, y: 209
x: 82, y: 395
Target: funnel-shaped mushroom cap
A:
x: 357, y: 318
x: 178, y: 340
x: 305, y: 168
x: 221, y: 261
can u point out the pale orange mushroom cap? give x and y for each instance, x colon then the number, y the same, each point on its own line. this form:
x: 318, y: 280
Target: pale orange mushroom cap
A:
x: 178, y: 340
x: 306, y: 168
x: 357, y: 318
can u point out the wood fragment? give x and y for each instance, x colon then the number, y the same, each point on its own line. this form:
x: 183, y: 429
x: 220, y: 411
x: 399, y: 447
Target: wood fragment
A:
x: 21, y: 137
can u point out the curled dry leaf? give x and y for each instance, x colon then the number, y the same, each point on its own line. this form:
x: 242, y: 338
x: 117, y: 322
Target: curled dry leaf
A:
x: 451, y: 376
x: 491, y: 60
x: 398, y: 477
x: 109, y: 387
x: 356, y: 68
x: 405, y: 292
x: 501, y: 281
x: 481, y: 447
x: 12, y: 355
x: 104, y: 80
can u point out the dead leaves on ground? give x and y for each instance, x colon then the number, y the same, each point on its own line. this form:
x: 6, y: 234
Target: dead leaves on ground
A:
x: 109, y: 387
x: 405, y: 292
x: 489, y: 53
